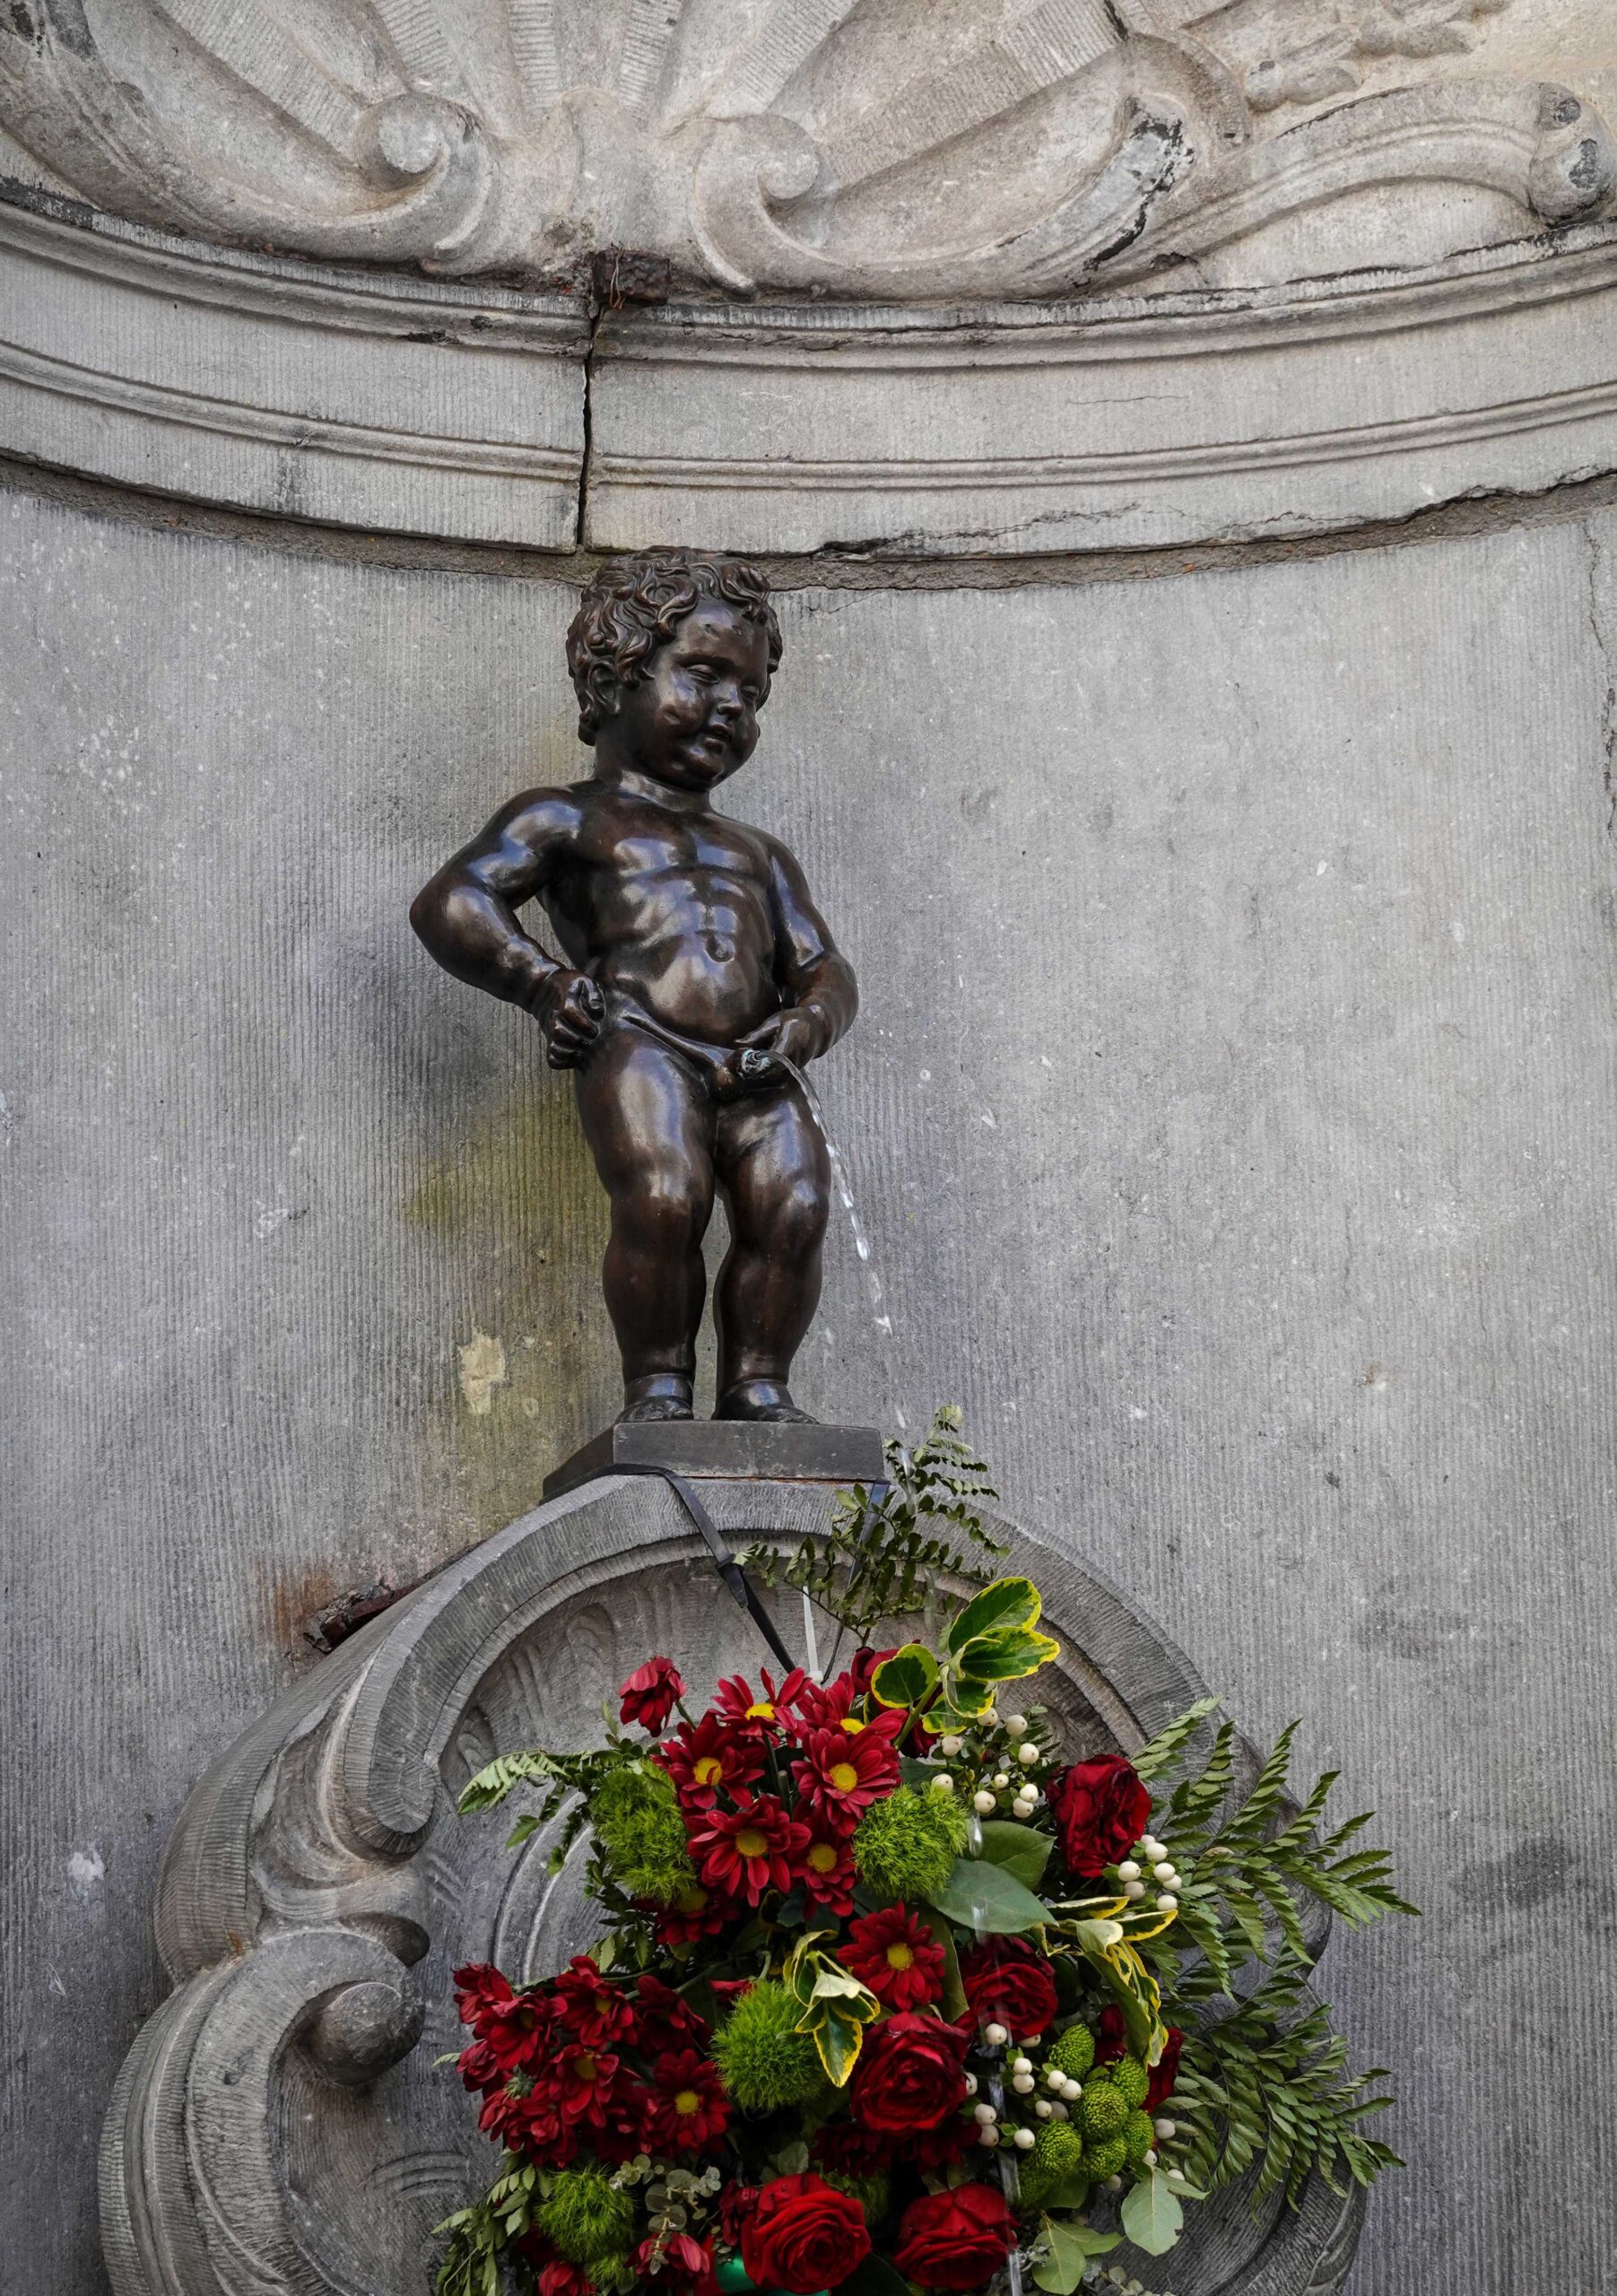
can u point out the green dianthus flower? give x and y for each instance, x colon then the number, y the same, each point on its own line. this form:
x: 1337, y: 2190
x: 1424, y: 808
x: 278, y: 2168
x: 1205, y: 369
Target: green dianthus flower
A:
x: 764, y: 2062
x: 906, y: 1846
x: 1103, y: 2109
x: 1057, y: 2154
x: 1138, y: 2137
x: 586, y: 2217
x: 1130, y: 2076
x: 1074, y: 2052
x: 1108, y: 2160
x: 636, y: 1816
x: 873, y: 2193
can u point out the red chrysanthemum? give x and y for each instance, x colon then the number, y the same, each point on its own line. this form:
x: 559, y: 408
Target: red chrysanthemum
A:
x: 515, y: 2026
x: 682, y: 2266
x: 771, y: 1711
x: 897, y: 1956
x: 664, y: 2020
x: 580, y: 2082
x: 749, y: 1851
x: 696, y: 1913
x: 706, y: 1757
x: 827, y: 1871
x: 838, y: 1777
x: 691, y: 2110
x: 560, y: 2278
x: 589, y: 2010
x: 650, y: 1694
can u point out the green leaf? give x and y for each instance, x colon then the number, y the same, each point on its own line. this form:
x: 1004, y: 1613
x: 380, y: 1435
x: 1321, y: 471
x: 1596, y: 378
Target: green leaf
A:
x: 908, y: 1676
x: 1002, y: 1604
x: 1152, y: 2215
x: 1007, y: 1656
x: 494, y: 1782
x: 954, y: 2003
x: 875, y: 2277
x: 981, y: 1896
x: 525, y: 1829
x: 1018, y: 1849
x: 1071, y: 2246
x: 1159, y: 1752
x: 793, y: 2159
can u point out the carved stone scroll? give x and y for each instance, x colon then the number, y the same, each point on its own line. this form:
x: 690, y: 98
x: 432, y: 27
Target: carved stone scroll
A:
x: 281, y: 2123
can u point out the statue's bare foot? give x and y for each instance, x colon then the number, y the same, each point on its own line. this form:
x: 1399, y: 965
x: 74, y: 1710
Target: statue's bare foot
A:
x: 662, y: 1396
x: 770, y: 1400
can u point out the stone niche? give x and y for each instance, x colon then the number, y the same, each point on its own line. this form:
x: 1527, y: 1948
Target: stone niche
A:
x: 282, y: 2121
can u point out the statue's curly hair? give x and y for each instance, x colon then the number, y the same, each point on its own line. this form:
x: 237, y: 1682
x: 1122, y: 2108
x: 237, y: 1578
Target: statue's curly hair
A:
x: 633, y: 605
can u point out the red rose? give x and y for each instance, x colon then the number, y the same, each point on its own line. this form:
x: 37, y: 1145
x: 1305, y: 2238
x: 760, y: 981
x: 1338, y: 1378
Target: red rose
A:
x: 1100, y: 1809
x: 651, y: 1693
x: 804, y: 2235
x: 1008, y: 1983
x: 912, y: 2071
x: 955, y: 2239
x: 1165, y: 2072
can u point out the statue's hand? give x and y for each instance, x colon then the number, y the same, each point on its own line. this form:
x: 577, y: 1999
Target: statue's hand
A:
x: 572, y: 1011
x: 798, y: 1032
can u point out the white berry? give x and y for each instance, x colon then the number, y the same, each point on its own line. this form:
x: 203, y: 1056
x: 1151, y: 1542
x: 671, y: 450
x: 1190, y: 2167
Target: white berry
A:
x: 1150, y: 2158
x: 1114, y: 2184
x: 1151, y: 1847
x: 1168, y: 1902
x: 987, y: 2136
x: 1176, y: 2176
x: 1162, y: 1873
x: 1034, y: 2040
x: 1044, y: 2108
x: 1072, y: 2090
x: 1166, y: 2128
x: 1020, y: 1809
x: 1022, y: 2083
x: 1056, y: 2079
x: 952, y: 1745
x: 1024, y: 2140
x: 1016, y: 1726
x: 1027, y: 1752
x: 943, y: 1783
x: 1060, y: 2112
x: 983, y: 1802
x: 972, y: 2084
x: 1132, y: 1890
x: 1022, y: 2062
x: 1001, y: 1780
x: 997, y: 2036
x: 1128, y: 1871
x: 984, y: 2115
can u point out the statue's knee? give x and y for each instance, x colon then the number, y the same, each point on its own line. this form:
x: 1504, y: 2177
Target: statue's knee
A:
x: 669, y: 1213
x: 798, y: 1217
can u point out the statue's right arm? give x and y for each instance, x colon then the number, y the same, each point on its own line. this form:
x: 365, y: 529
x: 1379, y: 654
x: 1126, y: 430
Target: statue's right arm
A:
x: 467, y: 914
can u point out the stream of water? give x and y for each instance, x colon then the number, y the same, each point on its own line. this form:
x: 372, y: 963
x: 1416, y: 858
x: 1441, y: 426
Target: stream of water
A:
x: 882, y: 1320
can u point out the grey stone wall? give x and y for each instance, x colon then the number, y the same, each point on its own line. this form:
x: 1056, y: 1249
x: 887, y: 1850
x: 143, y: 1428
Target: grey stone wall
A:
x: 1231, y: 1113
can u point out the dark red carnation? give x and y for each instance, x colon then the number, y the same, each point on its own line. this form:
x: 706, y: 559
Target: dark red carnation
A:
x: 804, y: 2235
x: 935, y: 2151
x: 650, y: 1694
x: 912, y: 2071
x: 1009, y: 1983
x: 695, y: 1913
x: 897, y: 1956
x: 1166, y: 2071
x: 1111, y: 2035
x: 955, y: 2239
x: 1101, y: 1808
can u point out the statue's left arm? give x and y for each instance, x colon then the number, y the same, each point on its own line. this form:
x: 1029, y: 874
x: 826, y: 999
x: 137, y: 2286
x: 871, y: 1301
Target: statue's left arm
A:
x: 816, y: 979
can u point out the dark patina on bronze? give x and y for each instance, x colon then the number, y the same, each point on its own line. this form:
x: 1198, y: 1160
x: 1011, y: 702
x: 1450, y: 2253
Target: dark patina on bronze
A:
x: 693, y: 953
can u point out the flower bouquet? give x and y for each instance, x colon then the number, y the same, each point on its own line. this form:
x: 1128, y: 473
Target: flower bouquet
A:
x: 890, y: 1994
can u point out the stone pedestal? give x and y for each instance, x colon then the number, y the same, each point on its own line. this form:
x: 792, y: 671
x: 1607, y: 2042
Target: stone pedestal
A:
x: 283, y: 2123
x: 703, y: 1448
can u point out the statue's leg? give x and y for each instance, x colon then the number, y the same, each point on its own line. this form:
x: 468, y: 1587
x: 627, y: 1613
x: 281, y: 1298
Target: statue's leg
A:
x: 776, y: 1178
x: 648, y: 1119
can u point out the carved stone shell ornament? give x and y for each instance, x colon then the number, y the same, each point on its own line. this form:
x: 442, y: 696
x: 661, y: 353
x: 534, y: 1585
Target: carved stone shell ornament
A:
x: 897, y: 149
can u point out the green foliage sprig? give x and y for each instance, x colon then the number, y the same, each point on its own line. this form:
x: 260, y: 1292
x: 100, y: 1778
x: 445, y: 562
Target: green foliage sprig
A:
x: 882, y: 1553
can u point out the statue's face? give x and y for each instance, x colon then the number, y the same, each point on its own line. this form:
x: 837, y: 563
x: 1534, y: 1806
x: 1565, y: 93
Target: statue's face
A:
x: 692, y: 719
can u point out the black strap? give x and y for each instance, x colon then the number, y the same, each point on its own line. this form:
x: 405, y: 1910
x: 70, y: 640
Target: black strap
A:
x: 723, y: 1561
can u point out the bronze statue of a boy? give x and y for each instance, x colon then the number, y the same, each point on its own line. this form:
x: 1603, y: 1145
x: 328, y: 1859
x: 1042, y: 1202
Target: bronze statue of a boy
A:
x: 693, y: 953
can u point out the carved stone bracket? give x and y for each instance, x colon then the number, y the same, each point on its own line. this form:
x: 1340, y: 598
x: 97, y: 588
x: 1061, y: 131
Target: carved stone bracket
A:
x: 1019, y: 148
x: 280, y: 2123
